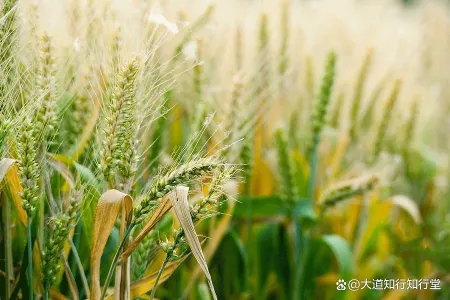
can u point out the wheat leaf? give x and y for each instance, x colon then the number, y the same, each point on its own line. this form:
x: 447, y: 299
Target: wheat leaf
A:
x: 216, y: 237
x: 9, y: 172
x: 108, y: 208
x: 180, y: 205
x: 409, y: 206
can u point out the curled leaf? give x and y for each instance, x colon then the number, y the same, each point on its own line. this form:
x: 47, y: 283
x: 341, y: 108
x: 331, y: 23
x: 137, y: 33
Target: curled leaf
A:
x: 181, y: 207
x: 217, y: 234
x: 409, y: 206
x: 108, y: 208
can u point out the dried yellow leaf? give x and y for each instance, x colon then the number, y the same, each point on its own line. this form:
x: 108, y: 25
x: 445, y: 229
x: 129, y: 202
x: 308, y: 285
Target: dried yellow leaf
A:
x: 108, y: 208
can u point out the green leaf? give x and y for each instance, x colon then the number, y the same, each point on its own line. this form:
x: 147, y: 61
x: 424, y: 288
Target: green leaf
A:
x: 283, y: 261
x: 230, y: 272
x: 22, y: 284
x: 261, y: 207
x: 266, y: 253
x: 304, y: 211
x: 90, y: 199
x: 342, y: 252
x: 86, y: 174
x: 203, y: 292
x: 272, y: 207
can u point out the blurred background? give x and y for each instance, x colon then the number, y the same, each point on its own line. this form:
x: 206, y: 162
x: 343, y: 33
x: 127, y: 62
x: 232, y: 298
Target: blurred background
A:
x: 336, y: 113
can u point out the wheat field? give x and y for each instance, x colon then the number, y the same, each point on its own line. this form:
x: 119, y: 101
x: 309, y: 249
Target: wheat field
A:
x: 271, y: 149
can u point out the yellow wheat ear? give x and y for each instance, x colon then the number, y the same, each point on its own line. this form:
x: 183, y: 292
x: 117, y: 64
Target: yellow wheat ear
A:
x: 180, y: 204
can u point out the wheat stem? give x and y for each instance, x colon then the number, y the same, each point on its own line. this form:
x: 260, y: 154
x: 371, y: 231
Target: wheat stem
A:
x: 115, y: 259
x: 163, y: 266
x: 79, y: 264
x: 9, y: 271
x: 30, y: 257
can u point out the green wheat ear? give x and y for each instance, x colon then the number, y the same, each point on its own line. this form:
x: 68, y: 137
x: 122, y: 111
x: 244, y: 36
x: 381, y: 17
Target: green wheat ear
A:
x: 5, y: 126
x: 29, y: 170
x: 46, y: 89
x: 359, y: 93
x: 118, y: 153
x: 384, y: 121
x: 61, y: 227
x: 337, y: 110
x: 166, y: 183
x: 411, y: 127
x: 348, y: 189
x: 320, y: 108
x: 263, y: 58
x: 285, y: 167
x: 284, y: 55
x: 246, y: 159
x: 8, y: 29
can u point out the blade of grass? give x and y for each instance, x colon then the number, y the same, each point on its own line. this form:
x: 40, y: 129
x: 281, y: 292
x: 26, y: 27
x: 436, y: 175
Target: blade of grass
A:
x: 108, y: 208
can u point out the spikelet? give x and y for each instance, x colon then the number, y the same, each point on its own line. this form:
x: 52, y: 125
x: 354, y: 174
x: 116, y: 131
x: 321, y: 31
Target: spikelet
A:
x: 74, y: 11
x: 46, y: 89
x: 204, y: 208
x: 179, y: 246
x: 118, y: 152
x: 239, y: 55
x: 8, y: 29
x: 62, y: 225
x: 246, y: 159
x: 158, y: 132
x: 29, y: 171
x: 410, y: 127
x: 263, y: 58
x: 115, y: 49
x: 164, y: 184
x: 284, y: 165
x: 5, y: 126
x: 198, y: 78
x: 359, y: 93
x: 309, y: 79
x: 368, y: 116
x: 141, y: 256
x: 284, y: 56
x: 384, y: 121
x: 148, y: 248
x: 235, y: 102
x: 201, y: 107
x: 81, y: 108
x: 262, y: 97
x: 93, y: 28
x: 348, y: 189
x: 319, y: 114
x: 337, y: 109
x: 194, y: 27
